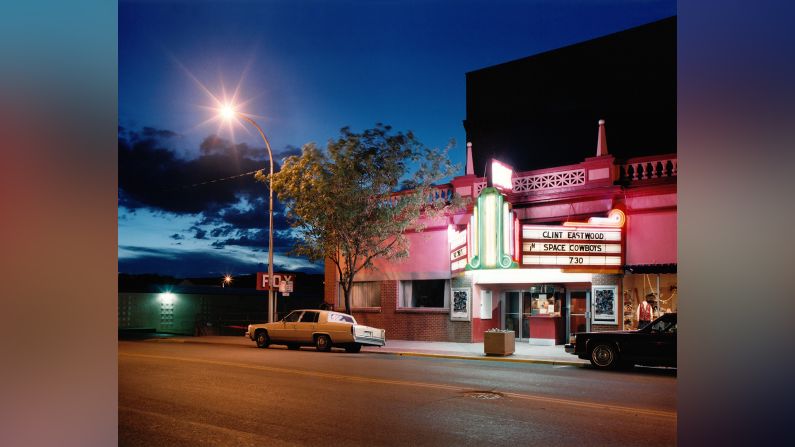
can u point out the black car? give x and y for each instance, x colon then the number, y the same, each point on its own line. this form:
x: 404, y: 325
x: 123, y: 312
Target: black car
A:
x: 654, y: 345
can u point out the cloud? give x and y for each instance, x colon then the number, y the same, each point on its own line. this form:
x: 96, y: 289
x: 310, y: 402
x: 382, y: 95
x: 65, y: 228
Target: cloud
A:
x: 229, y: 214
x: 181, y: 263
x: 151, y: 175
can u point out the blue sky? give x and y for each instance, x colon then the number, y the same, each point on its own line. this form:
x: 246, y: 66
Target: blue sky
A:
x: 306, y: 69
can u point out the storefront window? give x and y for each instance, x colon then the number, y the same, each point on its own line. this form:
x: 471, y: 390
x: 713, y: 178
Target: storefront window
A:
x: 659, y: 289
x: 546, y: 300
x: 425, y: 293
x: 363, y: 294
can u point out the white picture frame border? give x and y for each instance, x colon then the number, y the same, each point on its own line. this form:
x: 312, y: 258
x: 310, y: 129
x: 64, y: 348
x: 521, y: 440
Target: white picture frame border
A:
x: 461, y: 316
x: 606, y: 319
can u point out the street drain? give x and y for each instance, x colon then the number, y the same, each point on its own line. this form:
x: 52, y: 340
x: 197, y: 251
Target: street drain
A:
x: 485, y: 395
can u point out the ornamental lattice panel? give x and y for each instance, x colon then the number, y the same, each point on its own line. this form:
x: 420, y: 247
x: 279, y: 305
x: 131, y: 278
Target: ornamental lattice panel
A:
x: 550, y: 180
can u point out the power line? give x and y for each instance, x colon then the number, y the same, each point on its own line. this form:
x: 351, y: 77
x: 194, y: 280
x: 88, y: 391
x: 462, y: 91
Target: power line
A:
x: 214, y: 181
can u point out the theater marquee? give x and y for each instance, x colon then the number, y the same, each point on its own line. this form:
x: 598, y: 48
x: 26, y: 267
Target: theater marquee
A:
x: 596, y: 243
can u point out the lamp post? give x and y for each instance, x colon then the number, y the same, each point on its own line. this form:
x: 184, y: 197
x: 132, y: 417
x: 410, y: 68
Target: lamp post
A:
x: 228, y: 113
x: 227, y: 280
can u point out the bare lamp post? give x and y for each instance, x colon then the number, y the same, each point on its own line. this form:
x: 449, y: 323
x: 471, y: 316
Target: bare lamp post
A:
x: 228, y: 113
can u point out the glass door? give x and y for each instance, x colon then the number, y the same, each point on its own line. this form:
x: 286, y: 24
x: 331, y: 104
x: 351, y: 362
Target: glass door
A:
x: 513, y: 312
x: 578, y: 301
x: 527, y: 306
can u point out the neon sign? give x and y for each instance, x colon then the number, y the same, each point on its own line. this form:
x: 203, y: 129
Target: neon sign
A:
x: 492, y: 235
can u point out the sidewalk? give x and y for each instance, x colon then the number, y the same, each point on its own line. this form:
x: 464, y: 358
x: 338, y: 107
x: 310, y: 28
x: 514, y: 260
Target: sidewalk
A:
x: 525, y: 353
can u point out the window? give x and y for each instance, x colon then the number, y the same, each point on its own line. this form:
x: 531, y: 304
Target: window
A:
x: 335, y: 317
x: 425, y: 293
x: 363, y: 294
x: 293, y: 317
x: 664, y: 326
x: 309, y: 317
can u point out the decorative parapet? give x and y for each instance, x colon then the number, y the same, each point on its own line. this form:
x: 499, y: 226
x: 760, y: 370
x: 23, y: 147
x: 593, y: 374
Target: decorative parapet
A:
x: 468, y: 185
x: 647, y: 168
x: 549, y: 180
x: 594, y: 171
x: 437, y: 193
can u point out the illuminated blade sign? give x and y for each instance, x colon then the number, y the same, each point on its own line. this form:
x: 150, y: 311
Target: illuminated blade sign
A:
x: 491, y: 232
x: 501, y: 175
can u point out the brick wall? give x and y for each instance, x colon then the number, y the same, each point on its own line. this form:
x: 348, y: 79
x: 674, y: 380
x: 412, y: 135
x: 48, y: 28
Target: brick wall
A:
x: 412, y: 324
x: 330, y: 283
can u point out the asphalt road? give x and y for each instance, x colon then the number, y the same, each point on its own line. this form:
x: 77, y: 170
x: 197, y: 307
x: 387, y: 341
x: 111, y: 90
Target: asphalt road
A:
x: 195, y: 395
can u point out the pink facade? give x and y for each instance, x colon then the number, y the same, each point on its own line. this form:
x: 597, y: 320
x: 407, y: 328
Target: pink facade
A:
x: 642, y: 189
x: 425, y: 261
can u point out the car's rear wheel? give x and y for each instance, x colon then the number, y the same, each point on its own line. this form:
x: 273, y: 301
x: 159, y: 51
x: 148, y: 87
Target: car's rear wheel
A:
x: 604, y: 356
x: 263, y: 340
x: 355, y: 347
x: 323, y: 343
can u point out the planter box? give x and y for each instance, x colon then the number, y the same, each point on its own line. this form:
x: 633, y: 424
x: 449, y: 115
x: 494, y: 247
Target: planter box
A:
x: 498, y: 343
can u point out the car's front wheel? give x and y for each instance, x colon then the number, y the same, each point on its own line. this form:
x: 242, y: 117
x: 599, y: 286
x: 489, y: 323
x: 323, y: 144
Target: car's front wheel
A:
x: 604, y: 356
x: 354, y: 347
x: 323, y: 343
x: 263, y: 340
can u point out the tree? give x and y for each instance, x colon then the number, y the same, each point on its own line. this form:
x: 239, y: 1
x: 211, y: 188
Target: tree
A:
x: 353, y: 202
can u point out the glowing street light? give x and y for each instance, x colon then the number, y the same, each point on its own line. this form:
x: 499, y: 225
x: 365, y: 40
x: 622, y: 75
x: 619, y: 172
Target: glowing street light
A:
x: 228, y: 112
x: 227, y: 280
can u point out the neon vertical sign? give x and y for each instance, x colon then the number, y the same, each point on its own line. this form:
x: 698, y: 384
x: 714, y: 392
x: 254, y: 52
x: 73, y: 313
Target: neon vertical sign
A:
x: 492, y: 232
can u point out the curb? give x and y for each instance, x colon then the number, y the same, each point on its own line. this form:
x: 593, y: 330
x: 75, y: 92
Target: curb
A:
x: 484, y: 358
x: 401, y: 353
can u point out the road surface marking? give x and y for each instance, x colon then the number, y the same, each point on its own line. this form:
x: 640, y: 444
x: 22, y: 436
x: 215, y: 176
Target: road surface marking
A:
x: 457, y: 389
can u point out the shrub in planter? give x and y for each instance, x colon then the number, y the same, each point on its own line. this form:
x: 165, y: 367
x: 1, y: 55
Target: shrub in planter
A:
x: 499, y: 342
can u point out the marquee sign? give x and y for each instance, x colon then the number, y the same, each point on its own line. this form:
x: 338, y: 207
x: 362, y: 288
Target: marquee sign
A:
x: 596, y: 243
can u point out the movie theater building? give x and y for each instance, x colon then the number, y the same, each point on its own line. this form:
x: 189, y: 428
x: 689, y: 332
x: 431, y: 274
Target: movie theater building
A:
x: 545, y: 253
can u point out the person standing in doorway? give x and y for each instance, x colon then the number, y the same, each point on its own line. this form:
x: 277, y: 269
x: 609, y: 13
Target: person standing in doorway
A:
x: 645, y: 312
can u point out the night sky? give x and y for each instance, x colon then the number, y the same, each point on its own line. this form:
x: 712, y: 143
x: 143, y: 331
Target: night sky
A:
x: 303, y: 69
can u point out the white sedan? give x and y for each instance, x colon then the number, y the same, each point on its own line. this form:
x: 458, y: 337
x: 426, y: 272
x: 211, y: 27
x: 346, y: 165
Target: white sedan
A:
x: 320, y: 328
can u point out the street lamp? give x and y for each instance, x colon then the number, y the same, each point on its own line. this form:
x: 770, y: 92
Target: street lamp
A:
x: 227, y: 280
x: 228, y: 112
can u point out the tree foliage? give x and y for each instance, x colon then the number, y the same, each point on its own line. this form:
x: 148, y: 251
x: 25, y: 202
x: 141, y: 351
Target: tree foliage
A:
x: 352, y: 202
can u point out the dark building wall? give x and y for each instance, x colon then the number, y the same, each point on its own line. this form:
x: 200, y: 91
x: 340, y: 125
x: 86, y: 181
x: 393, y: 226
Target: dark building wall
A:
x: 542, y: 111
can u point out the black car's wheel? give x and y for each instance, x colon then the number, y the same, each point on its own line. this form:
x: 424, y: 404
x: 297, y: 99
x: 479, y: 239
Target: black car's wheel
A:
x: 604, y: 356
x: 293, y: 346
x: 355, y: 347
x: 263, y: 340
x: 323, y: 343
